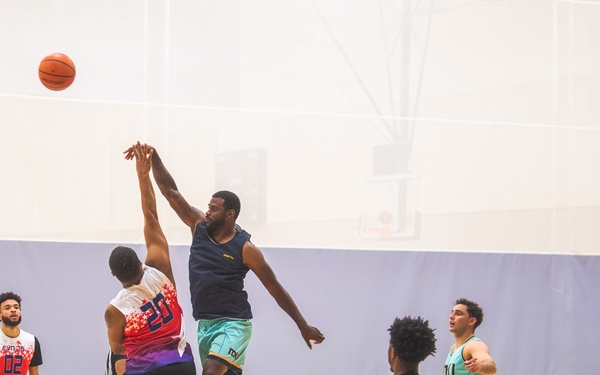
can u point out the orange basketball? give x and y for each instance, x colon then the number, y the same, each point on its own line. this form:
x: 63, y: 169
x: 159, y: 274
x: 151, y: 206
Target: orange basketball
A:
x: 56, y: 71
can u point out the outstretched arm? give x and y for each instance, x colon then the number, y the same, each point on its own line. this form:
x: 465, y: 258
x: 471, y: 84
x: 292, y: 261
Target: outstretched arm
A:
x: 255, y: 260
x: 190, y: 215
x: 478, y: 358
x: 156, y: 242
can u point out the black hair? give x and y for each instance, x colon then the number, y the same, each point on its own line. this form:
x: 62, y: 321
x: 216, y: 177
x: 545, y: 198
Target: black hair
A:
x: 10, y: 295
x: 473, y: 309
x: 124, y: 264
x: 230, y: 201
x: 412, y: 339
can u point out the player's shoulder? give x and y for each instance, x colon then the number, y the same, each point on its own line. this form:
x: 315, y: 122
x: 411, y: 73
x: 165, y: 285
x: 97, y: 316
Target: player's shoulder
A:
x: 26, y: 338
x: 474, y: 344
x: 252, y: 255
x: 154, y: 275
x: 249, y: 246
x: 26, y: 334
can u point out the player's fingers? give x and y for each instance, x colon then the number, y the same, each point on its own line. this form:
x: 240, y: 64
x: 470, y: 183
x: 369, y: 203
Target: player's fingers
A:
x: 137, y: 150
x: 128, y: 153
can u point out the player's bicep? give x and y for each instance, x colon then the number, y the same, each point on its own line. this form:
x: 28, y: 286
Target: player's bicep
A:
x: 255, y: 260
x: 477, y: 349
x: 157, y: 255
x: 156, y: 242
x: 115, y: 324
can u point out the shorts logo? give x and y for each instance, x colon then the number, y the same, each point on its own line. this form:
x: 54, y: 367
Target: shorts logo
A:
x: 233, y: 353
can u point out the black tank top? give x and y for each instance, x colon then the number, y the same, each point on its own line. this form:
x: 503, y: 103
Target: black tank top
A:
x: 217, y: 273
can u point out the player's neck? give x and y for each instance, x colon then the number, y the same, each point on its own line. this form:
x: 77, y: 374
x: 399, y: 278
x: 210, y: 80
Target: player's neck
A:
x: 137, y: 281
x: 11, y: 332
x: 401, y: 367
x: 223, y: 234
x: 459, y: 340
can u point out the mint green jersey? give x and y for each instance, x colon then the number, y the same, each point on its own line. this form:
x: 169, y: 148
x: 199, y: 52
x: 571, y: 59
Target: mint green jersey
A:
x: 455, y: 363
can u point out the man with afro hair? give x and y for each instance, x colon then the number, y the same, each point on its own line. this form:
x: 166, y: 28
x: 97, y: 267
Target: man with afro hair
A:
x: 411, y: 341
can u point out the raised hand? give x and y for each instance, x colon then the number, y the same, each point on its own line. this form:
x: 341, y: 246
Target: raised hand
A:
x: 129, y: 153
x: 143, y: 158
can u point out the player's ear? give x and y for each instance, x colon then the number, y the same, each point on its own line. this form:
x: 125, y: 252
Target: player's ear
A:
x: 472, y: 320
x: 391, y: 352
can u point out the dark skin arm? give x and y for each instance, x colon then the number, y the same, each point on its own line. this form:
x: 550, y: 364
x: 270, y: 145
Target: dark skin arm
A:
x: 115, y: 323
x: 190, y: 215
x: 156, y: 242
x: 157, y: 247
x: 253, y: 257
x: 255, y: 260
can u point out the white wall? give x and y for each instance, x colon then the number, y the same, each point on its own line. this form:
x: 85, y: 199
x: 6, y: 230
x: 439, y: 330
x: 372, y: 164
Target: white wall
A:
x: 494, y: 101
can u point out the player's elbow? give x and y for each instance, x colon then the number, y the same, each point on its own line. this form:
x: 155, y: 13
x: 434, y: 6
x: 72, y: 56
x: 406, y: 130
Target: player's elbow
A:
x: 171, y: 194
x: 117, y: 349
x: 490, y: 368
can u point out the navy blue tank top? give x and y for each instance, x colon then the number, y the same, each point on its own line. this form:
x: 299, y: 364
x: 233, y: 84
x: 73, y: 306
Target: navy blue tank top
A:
x: 217, y: 273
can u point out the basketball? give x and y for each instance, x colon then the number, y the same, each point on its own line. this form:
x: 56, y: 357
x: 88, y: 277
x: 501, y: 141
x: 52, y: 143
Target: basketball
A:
x: 56, y: 71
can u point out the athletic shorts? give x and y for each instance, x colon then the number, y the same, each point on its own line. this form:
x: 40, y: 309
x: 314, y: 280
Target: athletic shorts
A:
x: 181, y: 368
x: 225, y: 340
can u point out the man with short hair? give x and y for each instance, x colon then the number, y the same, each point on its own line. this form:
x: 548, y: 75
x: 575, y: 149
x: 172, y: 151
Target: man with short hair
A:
x: 221, y: 254
x: 468, y: 354
x: 411, y: 341
x: 21, y: 352
x: 145, y: 320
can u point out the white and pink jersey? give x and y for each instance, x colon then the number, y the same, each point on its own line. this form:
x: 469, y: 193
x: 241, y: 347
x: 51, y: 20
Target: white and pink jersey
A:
x: 19, y: 353
x: 154, y: 333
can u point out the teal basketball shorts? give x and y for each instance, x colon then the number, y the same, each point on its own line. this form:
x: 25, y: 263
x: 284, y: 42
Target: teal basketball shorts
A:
x: 225, y: 340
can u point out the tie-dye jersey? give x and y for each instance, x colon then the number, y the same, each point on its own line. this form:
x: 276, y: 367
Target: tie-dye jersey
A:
x: 154, y: 333
x: 19, y: 353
